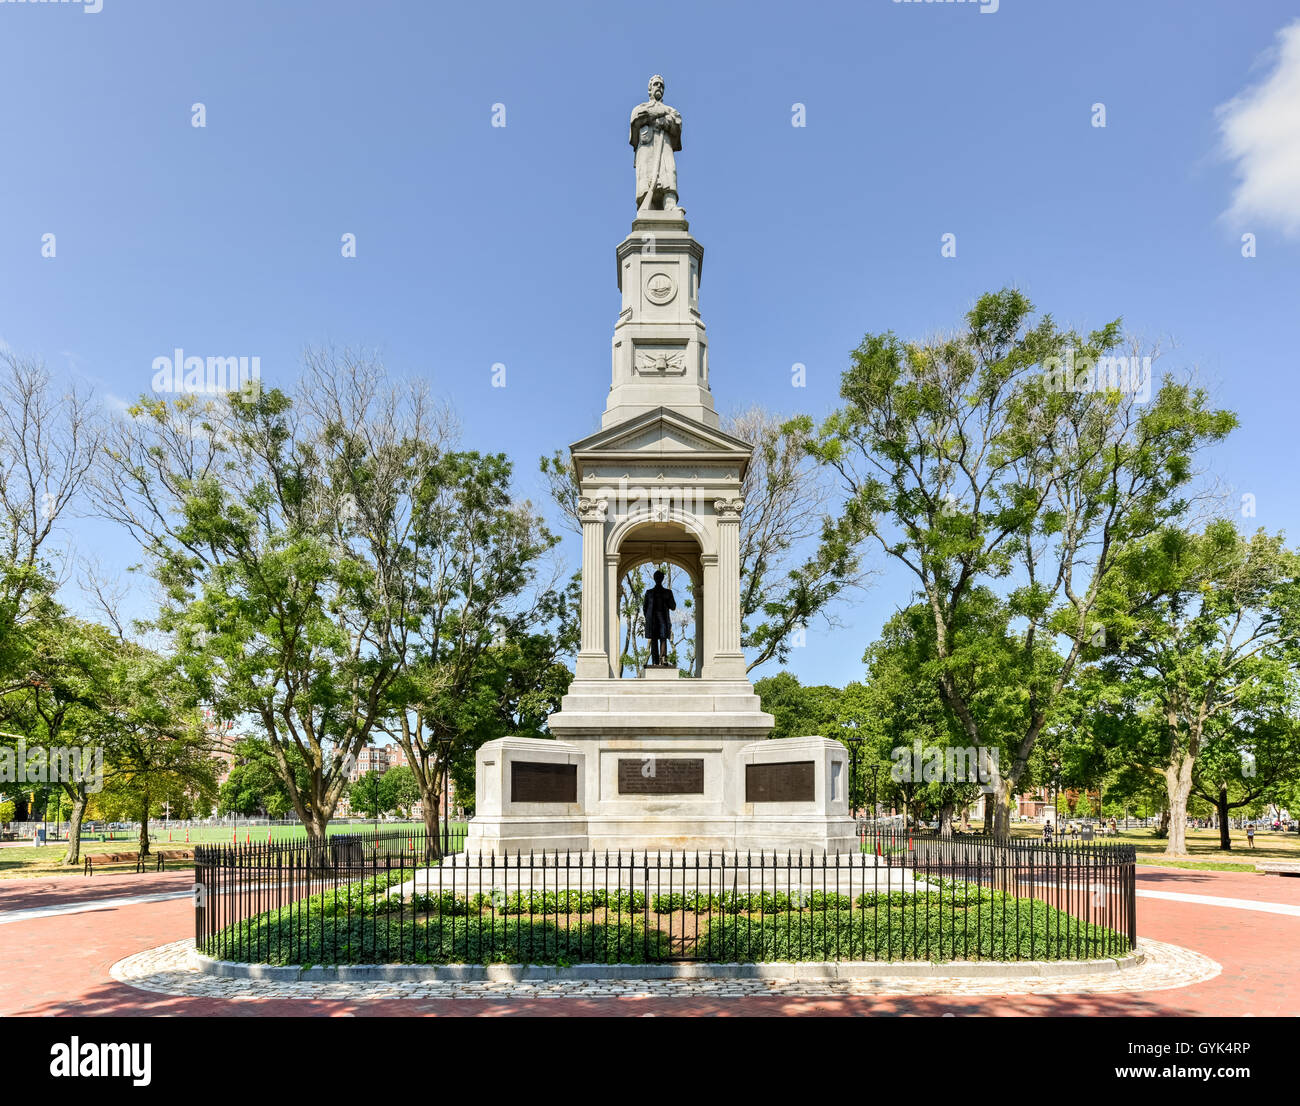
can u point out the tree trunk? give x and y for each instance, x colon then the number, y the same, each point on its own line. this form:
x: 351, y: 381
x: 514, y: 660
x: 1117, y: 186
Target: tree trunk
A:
x: 945, y: 820
x: 1221, y: 805
x: 144, y: 829
x: 1178, y: 785
x: 73, y: 855
x: 430, y: 783
x: 997, y: 807
x: 432, y: 832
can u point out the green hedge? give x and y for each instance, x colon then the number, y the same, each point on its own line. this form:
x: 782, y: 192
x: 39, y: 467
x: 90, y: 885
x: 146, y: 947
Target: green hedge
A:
x: 366, y: 923
x: 920, y: 926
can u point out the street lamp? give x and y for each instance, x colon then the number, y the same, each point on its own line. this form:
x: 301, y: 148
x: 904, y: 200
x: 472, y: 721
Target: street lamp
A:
x: 1056, y: 798
x: 854, y: 741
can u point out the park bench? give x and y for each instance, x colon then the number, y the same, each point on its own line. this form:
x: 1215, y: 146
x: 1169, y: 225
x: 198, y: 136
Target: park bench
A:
x: 141, y: 863
x: 1279, y: 867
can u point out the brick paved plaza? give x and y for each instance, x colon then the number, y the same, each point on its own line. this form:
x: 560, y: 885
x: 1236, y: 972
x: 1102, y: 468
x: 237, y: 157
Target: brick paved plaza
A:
x: 1234, y: 936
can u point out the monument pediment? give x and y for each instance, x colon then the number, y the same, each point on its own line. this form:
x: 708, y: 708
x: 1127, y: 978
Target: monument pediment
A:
x: 662, y: 434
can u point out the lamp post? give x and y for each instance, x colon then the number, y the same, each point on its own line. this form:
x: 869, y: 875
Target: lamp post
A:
x: 1056, y: 798
x: 854, y: 741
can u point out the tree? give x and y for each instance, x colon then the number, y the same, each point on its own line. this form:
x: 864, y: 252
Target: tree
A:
x: 278, y: 532
x: 1240, y: 765
x: 48, y: 439
x: 367, y: 795
x: 398, y: 790
x: 915, y: 733
x: 255, y: 784
x: 799, y: 711
x: 1206, y: 633
x: 60, y: 706
x: 991, y: 460
x: 160, y: 753
x: 472, y: 618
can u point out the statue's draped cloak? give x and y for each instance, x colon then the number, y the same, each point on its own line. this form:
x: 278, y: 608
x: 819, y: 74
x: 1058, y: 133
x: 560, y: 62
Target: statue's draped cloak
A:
x: 654, y: 147
x: 659, y: 600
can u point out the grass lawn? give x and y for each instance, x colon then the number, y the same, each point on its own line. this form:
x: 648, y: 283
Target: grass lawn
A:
x: 1202, y: 848
x: 24, y: 861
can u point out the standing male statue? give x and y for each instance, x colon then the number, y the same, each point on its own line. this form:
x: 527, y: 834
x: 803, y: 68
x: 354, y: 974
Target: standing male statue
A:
x: 659, y: 600
x: 656, y: 133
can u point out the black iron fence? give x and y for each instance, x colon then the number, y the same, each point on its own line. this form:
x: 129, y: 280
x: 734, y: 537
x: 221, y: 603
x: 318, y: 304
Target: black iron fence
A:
x: 377, y: 898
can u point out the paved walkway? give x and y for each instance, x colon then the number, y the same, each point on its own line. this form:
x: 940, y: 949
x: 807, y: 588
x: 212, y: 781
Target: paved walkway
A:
x: 62, y: 963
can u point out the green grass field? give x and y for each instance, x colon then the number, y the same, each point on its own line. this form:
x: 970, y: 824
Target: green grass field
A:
x: 1202, y: 848
x: 22, y: 861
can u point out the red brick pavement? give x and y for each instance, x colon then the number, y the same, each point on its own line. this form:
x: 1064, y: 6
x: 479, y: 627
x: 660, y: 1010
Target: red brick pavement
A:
x: 62, y: 964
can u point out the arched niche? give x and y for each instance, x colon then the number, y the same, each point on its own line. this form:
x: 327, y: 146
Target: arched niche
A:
x: 658, y: 541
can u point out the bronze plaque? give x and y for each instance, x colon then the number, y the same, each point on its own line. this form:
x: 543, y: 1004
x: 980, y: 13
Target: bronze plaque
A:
x: 792, y: 781
x: 660, y: 776
x: 533, y: 781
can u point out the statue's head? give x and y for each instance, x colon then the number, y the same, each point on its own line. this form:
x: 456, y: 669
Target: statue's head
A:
x: 656, y: 87
x: 659, y: 576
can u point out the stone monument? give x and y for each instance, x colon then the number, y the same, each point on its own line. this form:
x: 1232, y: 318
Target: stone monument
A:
x: 663, y: 760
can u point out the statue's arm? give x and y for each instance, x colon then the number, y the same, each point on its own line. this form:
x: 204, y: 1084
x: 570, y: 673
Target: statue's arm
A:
x: 672, y: 125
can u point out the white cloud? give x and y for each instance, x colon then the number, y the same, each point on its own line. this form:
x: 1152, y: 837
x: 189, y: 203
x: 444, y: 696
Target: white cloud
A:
x: 1260, y: 128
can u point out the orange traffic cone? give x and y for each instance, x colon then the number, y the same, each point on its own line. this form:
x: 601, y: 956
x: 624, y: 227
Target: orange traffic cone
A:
x: 234, y: 837
x: 187, y: 837
x: 268, y: 837
x: 248, y: 837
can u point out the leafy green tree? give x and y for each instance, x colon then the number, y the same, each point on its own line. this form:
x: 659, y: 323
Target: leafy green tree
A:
x: 1244, y: 761
x: 367, y: 795
x: 160, y: 752
x: 479, y: 643
x: 398, y: 789
x: 280, y: 530
x: 799, y: 711
x: 991, y: 460
x: 254, y: 783
x: 1206, y: 632
x: 63, y: 705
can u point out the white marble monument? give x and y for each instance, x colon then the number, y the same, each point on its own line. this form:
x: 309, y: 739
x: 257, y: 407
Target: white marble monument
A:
x: 665, y: 760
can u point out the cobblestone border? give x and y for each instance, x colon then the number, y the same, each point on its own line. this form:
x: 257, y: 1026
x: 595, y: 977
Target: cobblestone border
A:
x: 175, y: 969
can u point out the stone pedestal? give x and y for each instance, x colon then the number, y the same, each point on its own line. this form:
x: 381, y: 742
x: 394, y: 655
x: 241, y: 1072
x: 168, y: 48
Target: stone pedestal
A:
x: 655, y: 765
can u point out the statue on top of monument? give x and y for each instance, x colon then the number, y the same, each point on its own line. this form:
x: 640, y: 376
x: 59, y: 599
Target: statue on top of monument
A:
x: 659, y: 601
x: 656, y: 133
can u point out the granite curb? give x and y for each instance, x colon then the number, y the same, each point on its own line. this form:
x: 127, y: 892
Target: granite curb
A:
x: 808, y: 971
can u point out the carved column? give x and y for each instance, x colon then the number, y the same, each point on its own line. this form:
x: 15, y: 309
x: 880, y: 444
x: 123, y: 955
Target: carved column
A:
x: 593, y: 659
x: 729, y: 661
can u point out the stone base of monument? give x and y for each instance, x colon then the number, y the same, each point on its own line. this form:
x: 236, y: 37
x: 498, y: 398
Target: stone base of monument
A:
x: 680, y: 767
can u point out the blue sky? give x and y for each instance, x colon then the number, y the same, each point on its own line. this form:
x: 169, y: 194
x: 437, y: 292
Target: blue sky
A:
x: 479, y: 244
